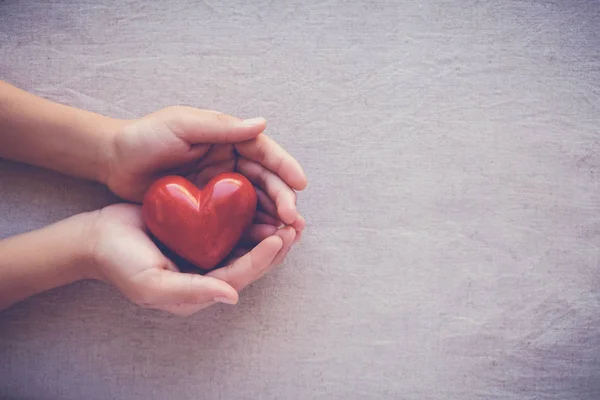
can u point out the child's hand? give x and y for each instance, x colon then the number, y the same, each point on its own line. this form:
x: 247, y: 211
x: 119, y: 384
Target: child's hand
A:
x: 201, y: 144
x: 129, y: 155
x: 126, y: 257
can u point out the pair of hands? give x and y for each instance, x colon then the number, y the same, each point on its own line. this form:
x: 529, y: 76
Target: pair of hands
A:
x: 197, y: 144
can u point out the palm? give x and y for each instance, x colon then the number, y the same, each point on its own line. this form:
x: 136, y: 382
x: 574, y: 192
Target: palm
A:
x: 129, y: 259
x: 124, y: 250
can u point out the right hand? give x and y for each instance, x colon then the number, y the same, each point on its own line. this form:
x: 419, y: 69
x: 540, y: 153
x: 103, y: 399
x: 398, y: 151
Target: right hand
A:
x: 126, y: 257
x: 200, y: 144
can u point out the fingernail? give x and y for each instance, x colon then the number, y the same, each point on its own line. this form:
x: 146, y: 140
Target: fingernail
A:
x: 253, y: 121
x: 225, y: 300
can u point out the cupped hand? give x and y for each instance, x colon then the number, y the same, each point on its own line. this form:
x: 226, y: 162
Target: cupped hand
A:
x: 199, y: 144
x: 125, y: 256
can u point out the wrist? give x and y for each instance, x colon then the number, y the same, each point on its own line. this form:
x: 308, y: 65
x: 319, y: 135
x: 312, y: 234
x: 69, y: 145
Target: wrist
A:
x: 106, y: 130
x: 74, y: 238
x: 84, y: 261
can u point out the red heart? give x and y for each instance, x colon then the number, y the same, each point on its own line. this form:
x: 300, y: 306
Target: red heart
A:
x: 202, y: 226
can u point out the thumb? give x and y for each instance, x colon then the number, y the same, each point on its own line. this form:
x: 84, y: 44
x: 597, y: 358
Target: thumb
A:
x: 170, y: 287
x: 197, y: 126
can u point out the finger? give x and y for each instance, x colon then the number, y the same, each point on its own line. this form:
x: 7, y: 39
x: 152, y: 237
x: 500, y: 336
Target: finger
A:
x: 183, y: 170
x: 299, y: 224
x: 219, y: 159
x: 201, y: 126
x: 211, y: 171
x: 262, y: 218
x: 283, y: 196
x: 218, y: 153
x: 259, y: 232
x: 287, y: 235
x: 168, y: 287
x: 266, y: 203
x: 197, y: 151
x: 248, y: 268
x: 268, y: 153
x: 188, y: 163
x: 298, y: 237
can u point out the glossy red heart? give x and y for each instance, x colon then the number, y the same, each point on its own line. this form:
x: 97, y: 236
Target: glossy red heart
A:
x: 202, y: 226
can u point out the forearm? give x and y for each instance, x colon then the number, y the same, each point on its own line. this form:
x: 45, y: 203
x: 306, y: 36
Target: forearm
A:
x: 43, y: 259
x: 54, y: 136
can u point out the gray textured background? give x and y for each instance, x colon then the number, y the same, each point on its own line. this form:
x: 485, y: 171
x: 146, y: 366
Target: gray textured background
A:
x: 452, y: 250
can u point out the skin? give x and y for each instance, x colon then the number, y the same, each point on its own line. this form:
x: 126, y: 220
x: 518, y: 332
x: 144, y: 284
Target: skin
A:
x: 112, y: 244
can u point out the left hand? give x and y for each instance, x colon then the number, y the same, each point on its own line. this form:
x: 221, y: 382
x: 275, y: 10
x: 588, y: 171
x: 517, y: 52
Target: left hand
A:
x: 124, y: 256
x: 200, y: 144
